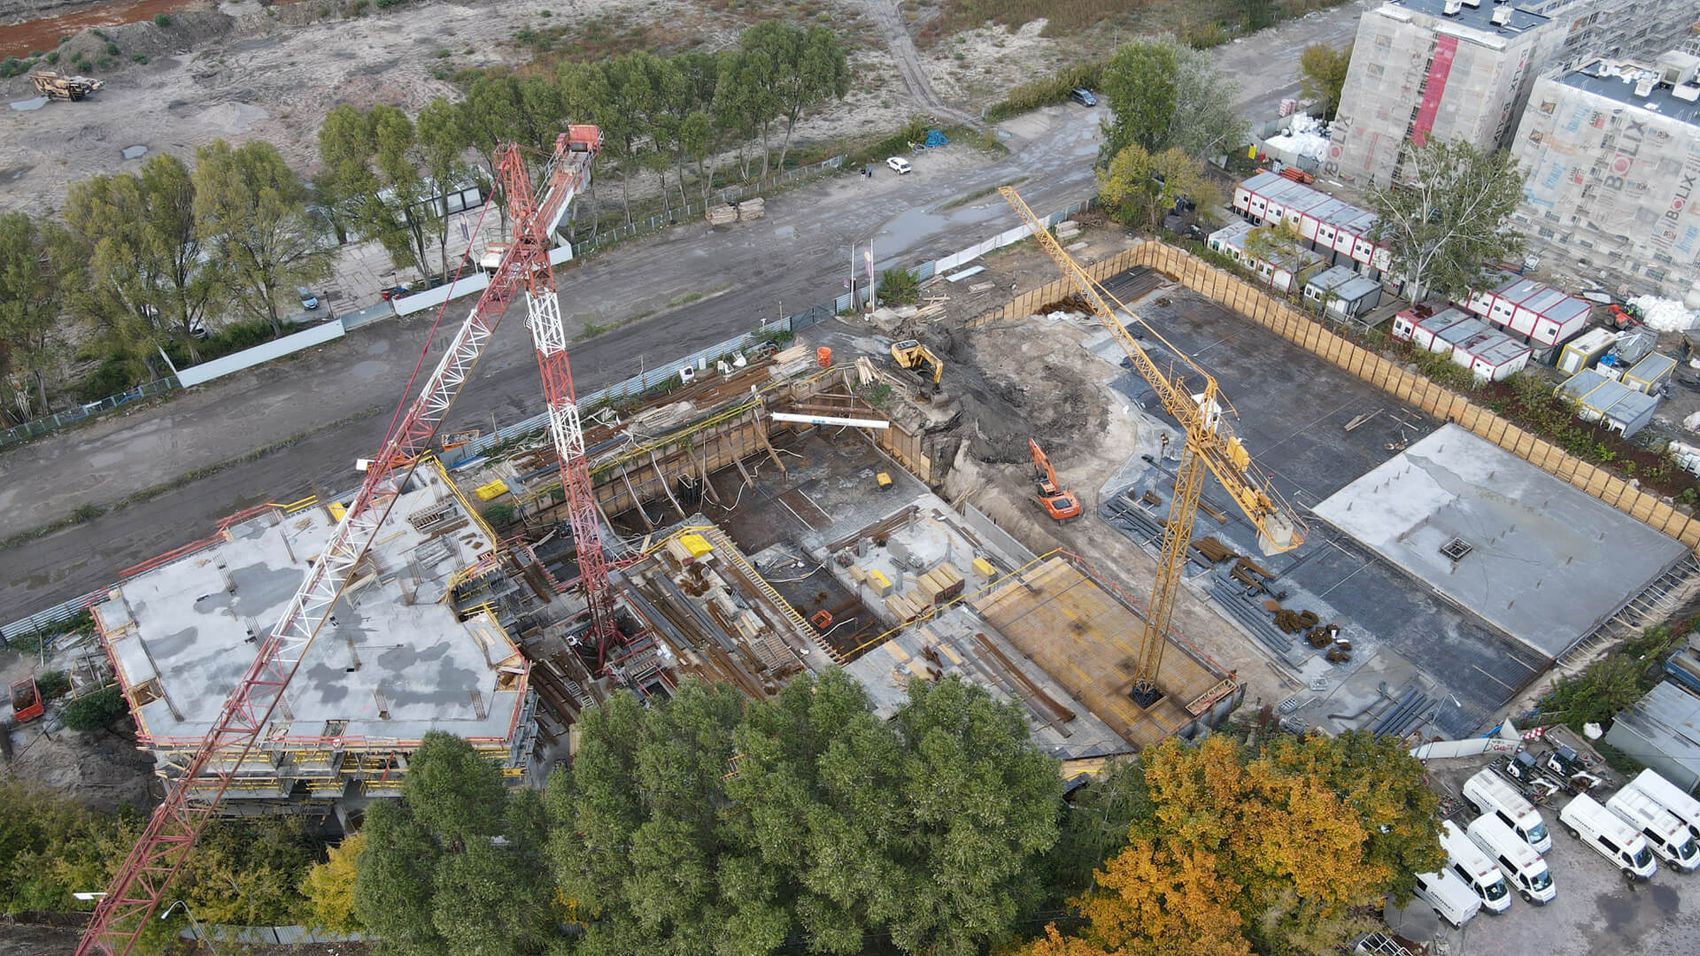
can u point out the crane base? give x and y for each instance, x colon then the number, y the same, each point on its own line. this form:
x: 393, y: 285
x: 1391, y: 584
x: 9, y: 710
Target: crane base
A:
x: 1145, y: 696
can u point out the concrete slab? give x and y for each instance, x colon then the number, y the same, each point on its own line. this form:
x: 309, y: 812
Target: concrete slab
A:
x: 1540, y: 560
x: 391, y: 663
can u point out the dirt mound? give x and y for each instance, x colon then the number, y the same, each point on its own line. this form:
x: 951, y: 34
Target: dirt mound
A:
x: 1013, y: 385
x: 108, y: 50
x: 103, y: 771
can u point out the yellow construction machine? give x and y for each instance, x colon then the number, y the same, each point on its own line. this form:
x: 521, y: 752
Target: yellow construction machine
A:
x: 1211, y: 445
x: 63, y: 86
x: 911, y: 356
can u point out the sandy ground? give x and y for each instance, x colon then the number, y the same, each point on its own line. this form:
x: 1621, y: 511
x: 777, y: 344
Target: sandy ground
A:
x: 245, y: 72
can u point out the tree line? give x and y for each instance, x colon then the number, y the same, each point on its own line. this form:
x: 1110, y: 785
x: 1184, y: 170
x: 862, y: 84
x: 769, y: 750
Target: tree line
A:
x: 139, y: 270
x: 806, y: 824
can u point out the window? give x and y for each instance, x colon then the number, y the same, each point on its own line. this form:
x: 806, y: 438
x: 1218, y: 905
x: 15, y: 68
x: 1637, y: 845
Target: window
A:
x: 1605, y: 842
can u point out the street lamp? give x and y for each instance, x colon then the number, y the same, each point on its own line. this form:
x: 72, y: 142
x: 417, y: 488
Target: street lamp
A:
x: 200, y: 933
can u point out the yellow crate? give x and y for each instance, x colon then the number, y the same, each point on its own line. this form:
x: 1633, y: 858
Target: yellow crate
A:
x: 494, y: 489
x: 336, y: 510
x: 985, y: 569
x: 880, y: 584
x: 695, y: 544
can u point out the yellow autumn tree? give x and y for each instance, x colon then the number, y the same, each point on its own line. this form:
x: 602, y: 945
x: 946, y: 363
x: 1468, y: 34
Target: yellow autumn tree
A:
x: 1238, y: 851
x: 329, y: 887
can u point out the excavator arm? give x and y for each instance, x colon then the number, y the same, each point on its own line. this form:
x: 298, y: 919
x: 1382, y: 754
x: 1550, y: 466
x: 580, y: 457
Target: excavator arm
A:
x: 1202, y: 415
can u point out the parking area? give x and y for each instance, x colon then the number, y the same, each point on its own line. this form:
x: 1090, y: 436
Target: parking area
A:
x: 1597, y: 912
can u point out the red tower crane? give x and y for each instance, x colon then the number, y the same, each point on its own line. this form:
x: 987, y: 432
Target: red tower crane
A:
x: 255, y: 706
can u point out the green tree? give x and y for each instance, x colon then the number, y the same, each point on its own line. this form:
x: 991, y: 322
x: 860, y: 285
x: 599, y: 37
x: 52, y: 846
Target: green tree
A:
x: 1139, y: 188
x: 746, y: 101
x: 899, y: 287
x: 637, y: 843
x: 251, y: 210
x: 456, y: 866
x: 442, y: 145
x: 1278, y: 244
x: 1445, y: 217
x: 148, y: 281
x: 807, y: 67
x: 1164, y: 93
x: 1322, y: 75
x: 978, y: 806
x: 96, y: 710
x: 1095, y: 825
x: 34, y: 273
x: 372, y: 168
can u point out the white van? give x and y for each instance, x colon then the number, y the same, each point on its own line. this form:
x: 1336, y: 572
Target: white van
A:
x: 1586, y: 820
x: 1518, y: 860
x: 1668, y: 836
x: 1451, y: 899
x: 1669, y: 796
x: 1475, y: 868
x: 1492, y: 795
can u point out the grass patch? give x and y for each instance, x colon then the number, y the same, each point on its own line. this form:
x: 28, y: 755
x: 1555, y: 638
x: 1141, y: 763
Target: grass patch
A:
x: 1046, y: 92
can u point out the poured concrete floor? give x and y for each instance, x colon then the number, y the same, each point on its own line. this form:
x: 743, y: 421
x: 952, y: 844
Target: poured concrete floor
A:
x: 1545, y: 562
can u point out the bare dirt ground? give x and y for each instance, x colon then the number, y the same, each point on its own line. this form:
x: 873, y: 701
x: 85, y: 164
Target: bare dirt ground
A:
x: 240, y: 71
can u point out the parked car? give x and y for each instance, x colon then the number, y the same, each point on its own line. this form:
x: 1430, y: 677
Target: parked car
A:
x: 899, y: 164
x: 309, y: 301
x: 1083, y: 96
x: 393, y: 292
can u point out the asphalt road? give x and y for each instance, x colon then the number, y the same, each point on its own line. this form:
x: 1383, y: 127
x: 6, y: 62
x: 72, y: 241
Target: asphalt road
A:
x: 296, y: 426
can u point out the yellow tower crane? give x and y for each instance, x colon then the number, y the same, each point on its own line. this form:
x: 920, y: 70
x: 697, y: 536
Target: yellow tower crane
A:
x: 1210, y: 444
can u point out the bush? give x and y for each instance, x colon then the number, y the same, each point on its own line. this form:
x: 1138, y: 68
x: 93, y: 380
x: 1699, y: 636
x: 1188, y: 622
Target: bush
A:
x: 1054, y: 89
x: 53, y: 56
x: 53, y: 685
x: 899, y: 287
x: 141, y: 58
x: 915, y: 131
x: 12, y: 66
x: 111, y: 49
x: 96, y: 711
x: 115, y: 374
x: 161, y: 20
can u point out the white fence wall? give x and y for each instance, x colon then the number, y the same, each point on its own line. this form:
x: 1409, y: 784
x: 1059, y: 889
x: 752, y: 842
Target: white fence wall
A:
x: 464, y: 286
x: 248, y: 358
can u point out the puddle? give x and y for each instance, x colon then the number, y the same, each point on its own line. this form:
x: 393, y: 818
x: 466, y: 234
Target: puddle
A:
x: 133, y: 152
x: 34, y: 103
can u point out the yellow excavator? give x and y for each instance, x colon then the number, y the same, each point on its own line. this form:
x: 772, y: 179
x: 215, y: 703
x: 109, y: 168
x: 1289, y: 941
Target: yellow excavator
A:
x: 1211, y: 445
x: 911, y: 356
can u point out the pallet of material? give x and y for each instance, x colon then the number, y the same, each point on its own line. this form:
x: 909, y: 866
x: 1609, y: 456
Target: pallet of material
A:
x: 941, y: 584
x: 752, y: 209
x: 723, y: 215
x: 902, y: 607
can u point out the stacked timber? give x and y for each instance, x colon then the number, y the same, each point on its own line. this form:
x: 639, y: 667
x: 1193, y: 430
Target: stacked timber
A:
x: 752, y: 209
x: 1067, y: 229
x: 722, y: 215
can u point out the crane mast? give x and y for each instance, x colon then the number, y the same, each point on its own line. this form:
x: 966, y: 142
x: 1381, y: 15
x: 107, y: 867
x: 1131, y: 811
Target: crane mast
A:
x: 1210, y: 446
x: 256, y: 706
x: 549, y: 336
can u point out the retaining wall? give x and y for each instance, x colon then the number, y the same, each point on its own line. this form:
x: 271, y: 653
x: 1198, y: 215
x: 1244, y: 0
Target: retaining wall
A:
x: 248, y: 358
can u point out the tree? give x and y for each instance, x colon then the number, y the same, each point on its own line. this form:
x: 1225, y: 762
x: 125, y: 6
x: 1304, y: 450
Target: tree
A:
x: 1278, y: 244
x: 745, y: 99
x: 636, y: 841
x: 1139, y: 188
x: 372, y: 169
x: 442, y: 142
x: 806, y: 67
x: 1271, y: 850
x: 455, y: 866
x: 251, y: 210
x: 1164, y: 93
x: 1322, y: 75
x: 96, y: 710
x: 34, y: 269
x: 978, y: 805
x: 329, y: 887
x: 1156, y: 898
x: 149, y: 283
x: 1445, y: 216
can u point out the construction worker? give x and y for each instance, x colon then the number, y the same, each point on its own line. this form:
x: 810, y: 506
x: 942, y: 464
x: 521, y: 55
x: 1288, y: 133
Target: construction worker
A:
x: 1163, y: 455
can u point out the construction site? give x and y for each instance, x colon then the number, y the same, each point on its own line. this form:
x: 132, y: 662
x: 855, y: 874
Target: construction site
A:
x: 1051, y: 496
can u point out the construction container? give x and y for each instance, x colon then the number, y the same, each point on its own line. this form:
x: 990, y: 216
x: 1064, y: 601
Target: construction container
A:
x: 489, y: 490
x: 1584, y: 350
x: 1532, y: 309
x: 1651, y: 373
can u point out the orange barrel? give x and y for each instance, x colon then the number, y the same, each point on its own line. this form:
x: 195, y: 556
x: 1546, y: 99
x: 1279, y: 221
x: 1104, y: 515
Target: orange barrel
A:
x: 823, y: 356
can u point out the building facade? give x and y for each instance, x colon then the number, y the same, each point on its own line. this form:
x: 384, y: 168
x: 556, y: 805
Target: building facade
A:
x: 1611, y: 156
x: 1447, y: 69
x: 1600, y: 28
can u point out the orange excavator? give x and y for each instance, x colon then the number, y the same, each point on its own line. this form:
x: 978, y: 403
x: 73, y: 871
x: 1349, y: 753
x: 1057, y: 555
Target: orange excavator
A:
x: 1059, y: 502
